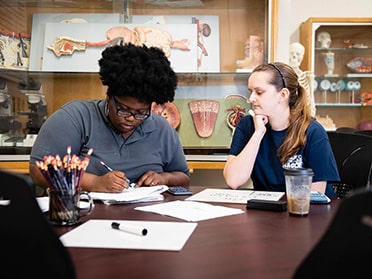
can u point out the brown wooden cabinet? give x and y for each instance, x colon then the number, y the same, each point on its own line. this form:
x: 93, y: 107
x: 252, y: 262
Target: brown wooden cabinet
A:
x: 343, y: 91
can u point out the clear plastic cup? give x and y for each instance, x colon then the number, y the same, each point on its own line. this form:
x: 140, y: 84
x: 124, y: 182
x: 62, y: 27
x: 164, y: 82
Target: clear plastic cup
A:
x: 298, y: 187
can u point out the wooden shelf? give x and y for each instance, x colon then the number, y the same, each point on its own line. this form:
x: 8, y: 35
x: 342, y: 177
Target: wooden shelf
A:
x: 23, y: 167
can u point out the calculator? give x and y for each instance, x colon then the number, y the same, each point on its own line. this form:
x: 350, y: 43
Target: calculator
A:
x: 318, y: 197
x: 179, y: 191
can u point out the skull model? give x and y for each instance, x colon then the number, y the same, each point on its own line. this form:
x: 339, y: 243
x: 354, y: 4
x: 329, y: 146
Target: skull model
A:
x: 324, y: 39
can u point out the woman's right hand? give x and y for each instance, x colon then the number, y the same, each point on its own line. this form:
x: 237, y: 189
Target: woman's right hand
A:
x: 260, y: 122
x: 111, y: 182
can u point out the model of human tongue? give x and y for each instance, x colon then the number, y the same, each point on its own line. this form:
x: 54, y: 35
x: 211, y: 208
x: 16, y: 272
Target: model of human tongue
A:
x: 204, y: 115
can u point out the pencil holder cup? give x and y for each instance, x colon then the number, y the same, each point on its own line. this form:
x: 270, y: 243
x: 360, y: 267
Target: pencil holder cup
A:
x: 64, y: 206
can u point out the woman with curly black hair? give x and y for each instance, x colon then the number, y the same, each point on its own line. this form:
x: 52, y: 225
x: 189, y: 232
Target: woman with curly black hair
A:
x: 138, y: 146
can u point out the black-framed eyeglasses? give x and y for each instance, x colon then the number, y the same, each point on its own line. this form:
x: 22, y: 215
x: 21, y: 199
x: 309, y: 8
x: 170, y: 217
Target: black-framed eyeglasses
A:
x: 126, y: 113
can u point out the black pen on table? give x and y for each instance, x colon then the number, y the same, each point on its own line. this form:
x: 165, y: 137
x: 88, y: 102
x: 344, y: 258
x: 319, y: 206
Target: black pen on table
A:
x: 129, y: 229
x: 132, y: 185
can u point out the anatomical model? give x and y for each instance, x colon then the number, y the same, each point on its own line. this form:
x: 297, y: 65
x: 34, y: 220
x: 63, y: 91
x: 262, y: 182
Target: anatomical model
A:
x: 141, y: 35
x: 254, y: 53
x: 305, y: 78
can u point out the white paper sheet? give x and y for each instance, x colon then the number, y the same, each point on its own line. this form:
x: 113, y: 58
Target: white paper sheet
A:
x: 234, y: 196
x: 44, y: 204
x: 97, y: 233
x: 132, y: 195
x: 190, y: 211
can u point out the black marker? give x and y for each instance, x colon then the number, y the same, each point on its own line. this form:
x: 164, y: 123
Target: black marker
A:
x: 128, y: 229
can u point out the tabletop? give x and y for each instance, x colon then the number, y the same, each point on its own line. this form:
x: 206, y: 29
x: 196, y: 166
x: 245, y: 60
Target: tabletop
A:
x: 255, y: 244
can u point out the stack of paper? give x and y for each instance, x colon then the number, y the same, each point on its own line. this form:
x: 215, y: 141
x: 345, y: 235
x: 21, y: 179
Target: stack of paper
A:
x: 132, y: 195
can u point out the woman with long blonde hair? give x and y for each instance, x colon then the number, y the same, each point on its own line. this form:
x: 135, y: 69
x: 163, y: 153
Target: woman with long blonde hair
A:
x: 279, y: 133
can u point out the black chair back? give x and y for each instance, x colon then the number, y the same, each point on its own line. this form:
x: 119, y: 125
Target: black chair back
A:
x: 345, y: 249
x: 353, y: 154
x: 364, y: 132
x: 29, y: 245
x: 345, y: 130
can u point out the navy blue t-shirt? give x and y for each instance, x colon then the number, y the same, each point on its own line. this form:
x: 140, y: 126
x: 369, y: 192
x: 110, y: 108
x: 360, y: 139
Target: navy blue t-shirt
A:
x: 268, y: 174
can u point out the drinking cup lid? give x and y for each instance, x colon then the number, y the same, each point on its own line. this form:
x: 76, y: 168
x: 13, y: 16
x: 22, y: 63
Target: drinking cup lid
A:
x: 299, y: 172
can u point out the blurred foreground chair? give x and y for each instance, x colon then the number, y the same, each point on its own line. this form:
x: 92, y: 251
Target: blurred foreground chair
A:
x: 29, y: 247
x: 345, y: 130
x: 344, y: 251
x: 353, y: 153
x: 364, y: 132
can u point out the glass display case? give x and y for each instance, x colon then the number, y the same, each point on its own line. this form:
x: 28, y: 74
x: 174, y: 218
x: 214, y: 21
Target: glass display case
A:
x: 339, y: 53
x: 225, y: 40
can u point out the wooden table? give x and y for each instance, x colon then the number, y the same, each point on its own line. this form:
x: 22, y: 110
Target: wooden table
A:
x: 255, y: 244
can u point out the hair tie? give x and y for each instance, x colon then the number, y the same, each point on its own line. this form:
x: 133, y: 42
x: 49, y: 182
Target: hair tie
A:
x: 298, y: 88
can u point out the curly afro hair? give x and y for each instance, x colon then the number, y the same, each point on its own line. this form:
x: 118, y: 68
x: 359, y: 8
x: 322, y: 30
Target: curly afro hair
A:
x: 138, y: 71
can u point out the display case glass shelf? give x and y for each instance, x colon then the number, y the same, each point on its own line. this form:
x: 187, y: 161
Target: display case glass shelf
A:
x: 35, y: 83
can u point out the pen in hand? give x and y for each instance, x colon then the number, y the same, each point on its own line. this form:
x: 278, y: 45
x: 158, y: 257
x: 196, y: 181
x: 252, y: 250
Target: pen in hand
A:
x: 132, y: 185
x: 106, y: 166
x: 129, y: 229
